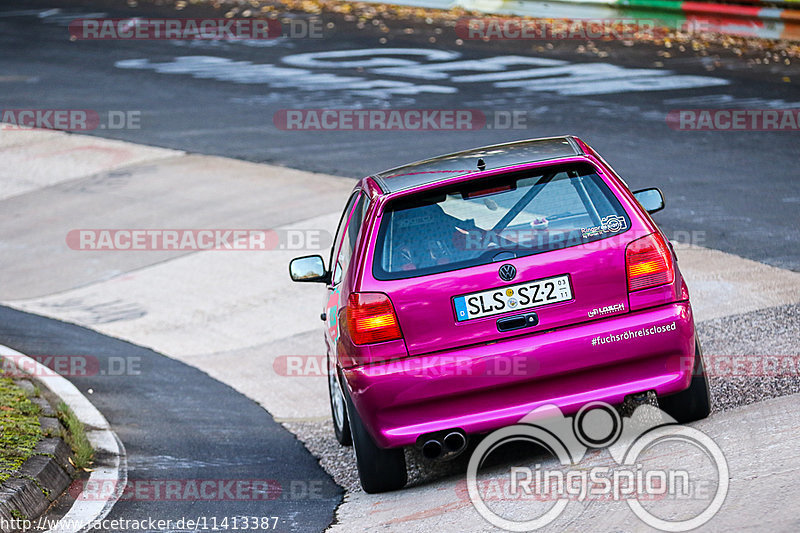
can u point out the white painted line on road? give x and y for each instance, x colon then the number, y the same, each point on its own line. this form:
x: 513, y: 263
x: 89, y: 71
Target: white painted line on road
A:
x: 101, y: 437
x: 427, y: 64
x: 22, y: 13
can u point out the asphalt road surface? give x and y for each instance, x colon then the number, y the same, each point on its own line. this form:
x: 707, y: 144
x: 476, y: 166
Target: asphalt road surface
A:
x: 732, y: 191
x: 180, y: 426
x: 234, y: 316
x: 737, y: 190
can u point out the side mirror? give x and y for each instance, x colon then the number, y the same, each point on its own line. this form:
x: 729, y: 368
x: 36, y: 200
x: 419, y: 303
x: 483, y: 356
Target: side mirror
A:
x: 310, y: 268
x: 650, y: 199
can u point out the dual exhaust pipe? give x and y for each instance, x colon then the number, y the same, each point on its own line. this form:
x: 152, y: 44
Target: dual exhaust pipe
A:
x: 443, y: 446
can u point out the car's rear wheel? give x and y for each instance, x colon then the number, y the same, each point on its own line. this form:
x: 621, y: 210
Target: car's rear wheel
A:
x: 695, y: 402
x: 379, y: 469
x: 341, y: 426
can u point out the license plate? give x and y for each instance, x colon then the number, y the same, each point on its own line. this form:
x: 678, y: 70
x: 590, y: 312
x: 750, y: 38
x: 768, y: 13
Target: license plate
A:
x: 513, y: 298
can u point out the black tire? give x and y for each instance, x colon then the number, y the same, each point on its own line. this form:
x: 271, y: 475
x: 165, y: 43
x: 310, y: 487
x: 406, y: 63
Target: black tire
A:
x: 695, y: 402
x: 341, y: 425
x: 380, y: 470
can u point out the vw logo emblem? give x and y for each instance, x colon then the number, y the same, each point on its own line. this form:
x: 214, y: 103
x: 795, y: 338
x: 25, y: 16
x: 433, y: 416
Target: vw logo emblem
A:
x: 507, y: 272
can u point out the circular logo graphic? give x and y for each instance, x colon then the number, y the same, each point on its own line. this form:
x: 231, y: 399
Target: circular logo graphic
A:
x: 597, y: 424
x: 507, y: 272
x: 614, y: 224
x: 516, y: 433
x: 705, y: 444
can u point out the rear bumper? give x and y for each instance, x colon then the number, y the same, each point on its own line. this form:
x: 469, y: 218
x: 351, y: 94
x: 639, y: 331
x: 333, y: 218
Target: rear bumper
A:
x: 485, y: 387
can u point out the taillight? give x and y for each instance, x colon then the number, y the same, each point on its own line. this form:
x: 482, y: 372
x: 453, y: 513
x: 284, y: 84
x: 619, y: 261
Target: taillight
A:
x: 649, y: 262
x: 371, y: 318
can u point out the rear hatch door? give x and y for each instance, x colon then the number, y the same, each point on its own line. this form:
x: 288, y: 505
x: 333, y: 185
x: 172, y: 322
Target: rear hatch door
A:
x: 545, y: 245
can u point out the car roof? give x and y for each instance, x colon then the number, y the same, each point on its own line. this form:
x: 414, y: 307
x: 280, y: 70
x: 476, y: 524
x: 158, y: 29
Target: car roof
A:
x: 466, y: 162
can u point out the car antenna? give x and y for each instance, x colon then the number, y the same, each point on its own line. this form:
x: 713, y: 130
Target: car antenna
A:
x: 481, y: 164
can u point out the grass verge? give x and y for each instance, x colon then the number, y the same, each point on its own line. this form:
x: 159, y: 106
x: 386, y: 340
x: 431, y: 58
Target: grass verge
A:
x: 20, y: 430
x: 75, y: 437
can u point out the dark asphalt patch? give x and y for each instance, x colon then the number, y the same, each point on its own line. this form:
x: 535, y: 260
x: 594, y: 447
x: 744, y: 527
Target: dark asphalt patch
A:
x: 180, y: 425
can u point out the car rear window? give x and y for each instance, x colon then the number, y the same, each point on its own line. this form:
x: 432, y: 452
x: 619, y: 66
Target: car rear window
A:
x: 495, y: 219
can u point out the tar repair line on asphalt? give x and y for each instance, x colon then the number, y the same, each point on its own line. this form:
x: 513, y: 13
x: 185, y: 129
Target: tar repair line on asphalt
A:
x: 100, y: 436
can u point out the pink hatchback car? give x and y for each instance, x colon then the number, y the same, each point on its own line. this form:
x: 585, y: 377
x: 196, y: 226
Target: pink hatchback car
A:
x: 466, y: 290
